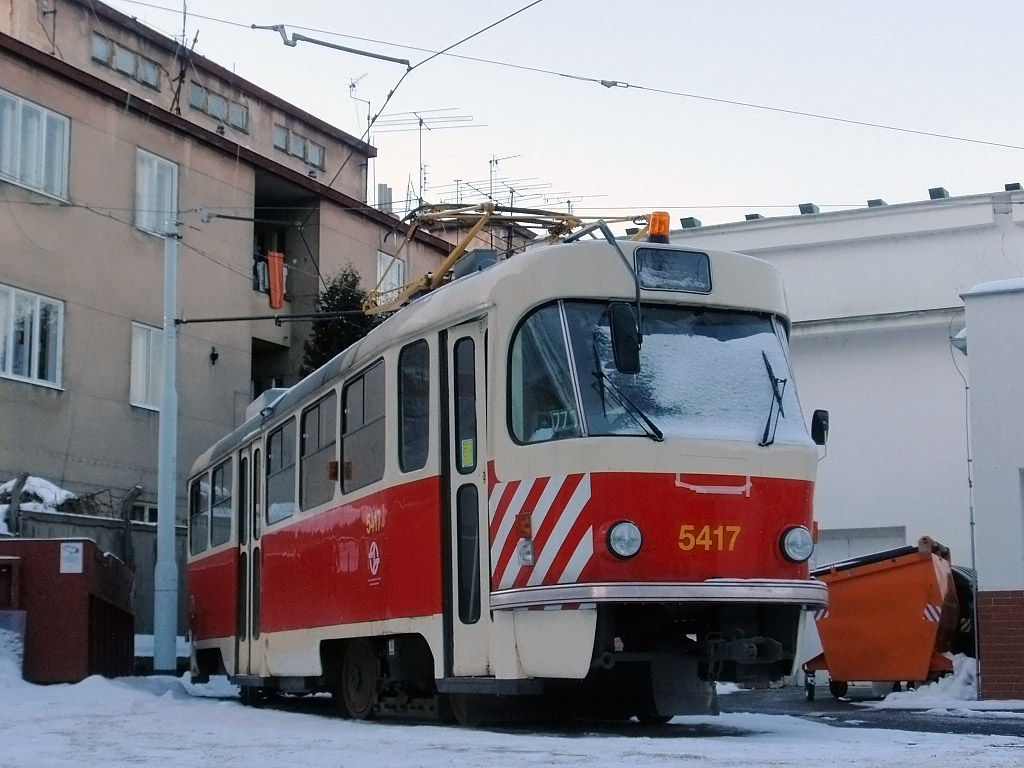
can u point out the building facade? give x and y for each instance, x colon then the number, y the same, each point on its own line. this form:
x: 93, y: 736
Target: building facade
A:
x: 995, y: 344
x: 108, y: 130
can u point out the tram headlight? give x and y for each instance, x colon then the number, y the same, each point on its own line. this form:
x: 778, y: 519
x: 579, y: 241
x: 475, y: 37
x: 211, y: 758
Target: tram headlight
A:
x: 797, y: 544
x: 624, y: 539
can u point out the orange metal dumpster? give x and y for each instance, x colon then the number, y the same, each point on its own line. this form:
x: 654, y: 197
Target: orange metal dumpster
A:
x: 891, y: 617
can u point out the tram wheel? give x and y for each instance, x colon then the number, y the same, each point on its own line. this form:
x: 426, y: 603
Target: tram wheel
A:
x: 838, y: 688
x: 465, y: 709
x: 359, y: 679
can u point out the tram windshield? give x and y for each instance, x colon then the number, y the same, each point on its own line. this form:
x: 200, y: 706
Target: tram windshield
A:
x: 704, y: 373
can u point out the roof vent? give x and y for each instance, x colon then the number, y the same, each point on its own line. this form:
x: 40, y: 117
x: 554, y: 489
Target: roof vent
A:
x: 877, y: 202
x: 753, y: 216
x: 264, y: 400
x: 689, y: 222
x: 1013, y: 187
x: 938, y: 193
x: 809, y: 208
x: 630, y: 231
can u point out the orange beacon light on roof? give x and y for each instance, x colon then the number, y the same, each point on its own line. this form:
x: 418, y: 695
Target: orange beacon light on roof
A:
x: 657, y: 227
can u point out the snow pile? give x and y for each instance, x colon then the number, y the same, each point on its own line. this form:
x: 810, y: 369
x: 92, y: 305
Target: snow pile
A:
x: 37, y: 491
x: 955, y: 694
x: 962, y: 685
x: 10, y: 659
x: 37, y: 495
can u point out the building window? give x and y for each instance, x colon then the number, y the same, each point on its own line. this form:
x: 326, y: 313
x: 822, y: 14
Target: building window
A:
x: 156, y: 192
x: 238, y: 116
x: 281, y: 473
x: 197, y: 96
x: 218, y: 107
x: 220, y: 517
x: 31, y: 336
x: 143, y: 513
x: 299, y: 146
x: 101, y: 48
x: 124, y: 60
x: 33, y: 146
x: 147, y: 366
x: 280, y: 137
x: 362, y: 430
x: 413, y: 406
x: 390, y: 276
x: 316, y: 483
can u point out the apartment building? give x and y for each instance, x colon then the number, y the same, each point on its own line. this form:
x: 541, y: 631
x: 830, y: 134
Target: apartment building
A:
x: 107, y: 131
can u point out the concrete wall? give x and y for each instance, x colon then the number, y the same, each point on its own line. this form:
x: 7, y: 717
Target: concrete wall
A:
x: 109, y: 535
x: 995, y: 332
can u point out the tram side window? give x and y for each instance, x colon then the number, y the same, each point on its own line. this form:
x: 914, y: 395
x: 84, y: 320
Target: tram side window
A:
x: 413, y: 406
x: 542, y: 405
x: 199, y: 515
x: 243, y: 498
x: 281, y: 473
x: 464, y: 358
x: 220, y: 518
x: 317, y: 449
x: 362, y: 430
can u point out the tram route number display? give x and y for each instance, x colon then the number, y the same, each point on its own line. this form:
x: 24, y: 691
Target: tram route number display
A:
x: 720, y: 538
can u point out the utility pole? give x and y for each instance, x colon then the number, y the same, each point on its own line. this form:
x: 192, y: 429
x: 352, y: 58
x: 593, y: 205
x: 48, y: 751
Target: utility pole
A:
x: 165, y: 577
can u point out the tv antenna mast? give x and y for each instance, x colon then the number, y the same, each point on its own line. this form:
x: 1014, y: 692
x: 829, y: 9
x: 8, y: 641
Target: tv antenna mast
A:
x: 421, y: 120
x: 352, y: 84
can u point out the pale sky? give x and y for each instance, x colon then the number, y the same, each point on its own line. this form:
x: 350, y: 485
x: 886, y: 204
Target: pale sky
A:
x: 941, y: 67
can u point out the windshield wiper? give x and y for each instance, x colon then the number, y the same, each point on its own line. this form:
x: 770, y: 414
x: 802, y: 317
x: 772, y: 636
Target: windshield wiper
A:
x: 769, y: 428
x: 629, y: 407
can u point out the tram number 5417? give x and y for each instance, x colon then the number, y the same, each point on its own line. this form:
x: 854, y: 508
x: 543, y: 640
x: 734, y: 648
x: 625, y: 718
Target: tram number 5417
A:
x: 721, y: 538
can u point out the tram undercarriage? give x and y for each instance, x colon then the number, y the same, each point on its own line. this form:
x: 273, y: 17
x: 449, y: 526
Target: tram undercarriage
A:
x: 648, y: 661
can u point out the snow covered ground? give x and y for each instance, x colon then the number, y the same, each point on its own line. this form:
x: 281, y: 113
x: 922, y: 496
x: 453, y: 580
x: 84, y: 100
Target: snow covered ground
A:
x: 159, y: 721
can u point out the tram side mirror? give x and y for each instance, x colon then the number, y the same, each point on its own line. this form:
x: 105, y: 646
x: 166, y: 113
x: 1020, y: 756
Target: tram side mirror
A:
x: 819, y: 427
x: 625, y: 337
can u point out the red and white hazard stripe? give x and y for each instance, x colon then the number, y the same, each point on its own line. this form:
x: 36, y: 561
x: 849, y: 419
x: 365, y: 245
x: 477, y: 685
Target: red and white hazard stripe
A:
x: 821, y: 614
x: 562, y: 541
x: 933, y: 613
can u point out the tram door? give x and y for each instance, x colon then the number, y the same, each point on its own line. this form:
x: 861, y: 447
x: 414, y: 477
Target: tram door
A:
x: 467, y: 616
x: 248, y: 657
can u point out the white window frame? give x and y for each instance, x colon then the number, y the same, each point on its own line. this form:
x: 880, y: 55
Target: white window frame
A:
x: 143, y: 512
x: 34, y: 157
x: 10, y: 300
x: 146, y: 378
x: 156, y: 192
x: 395, y: 277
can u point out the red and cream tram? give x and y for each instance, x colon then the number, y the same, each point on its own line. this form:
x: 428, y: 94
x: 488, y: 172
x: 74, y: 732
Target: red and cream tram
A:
x: 581, y: 475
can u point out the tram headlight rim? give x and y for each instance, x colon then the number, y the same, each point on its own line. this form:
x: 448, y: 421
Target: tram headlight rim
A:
x: 795, y: 542
x: 624, y: 539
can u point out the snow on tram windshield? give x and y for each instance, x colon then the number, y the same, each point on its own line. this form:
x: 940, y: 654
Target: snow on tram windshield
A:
x: 705, y: 373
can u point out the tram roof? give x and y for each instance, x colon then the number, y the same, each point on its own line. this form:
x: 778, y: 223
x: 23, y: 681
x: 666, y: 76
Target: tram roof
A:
x: 543, y: 271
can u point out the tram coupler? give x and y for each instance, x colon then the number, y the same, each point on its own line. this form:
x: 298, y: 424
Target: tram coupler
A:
x: 745, y: 650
